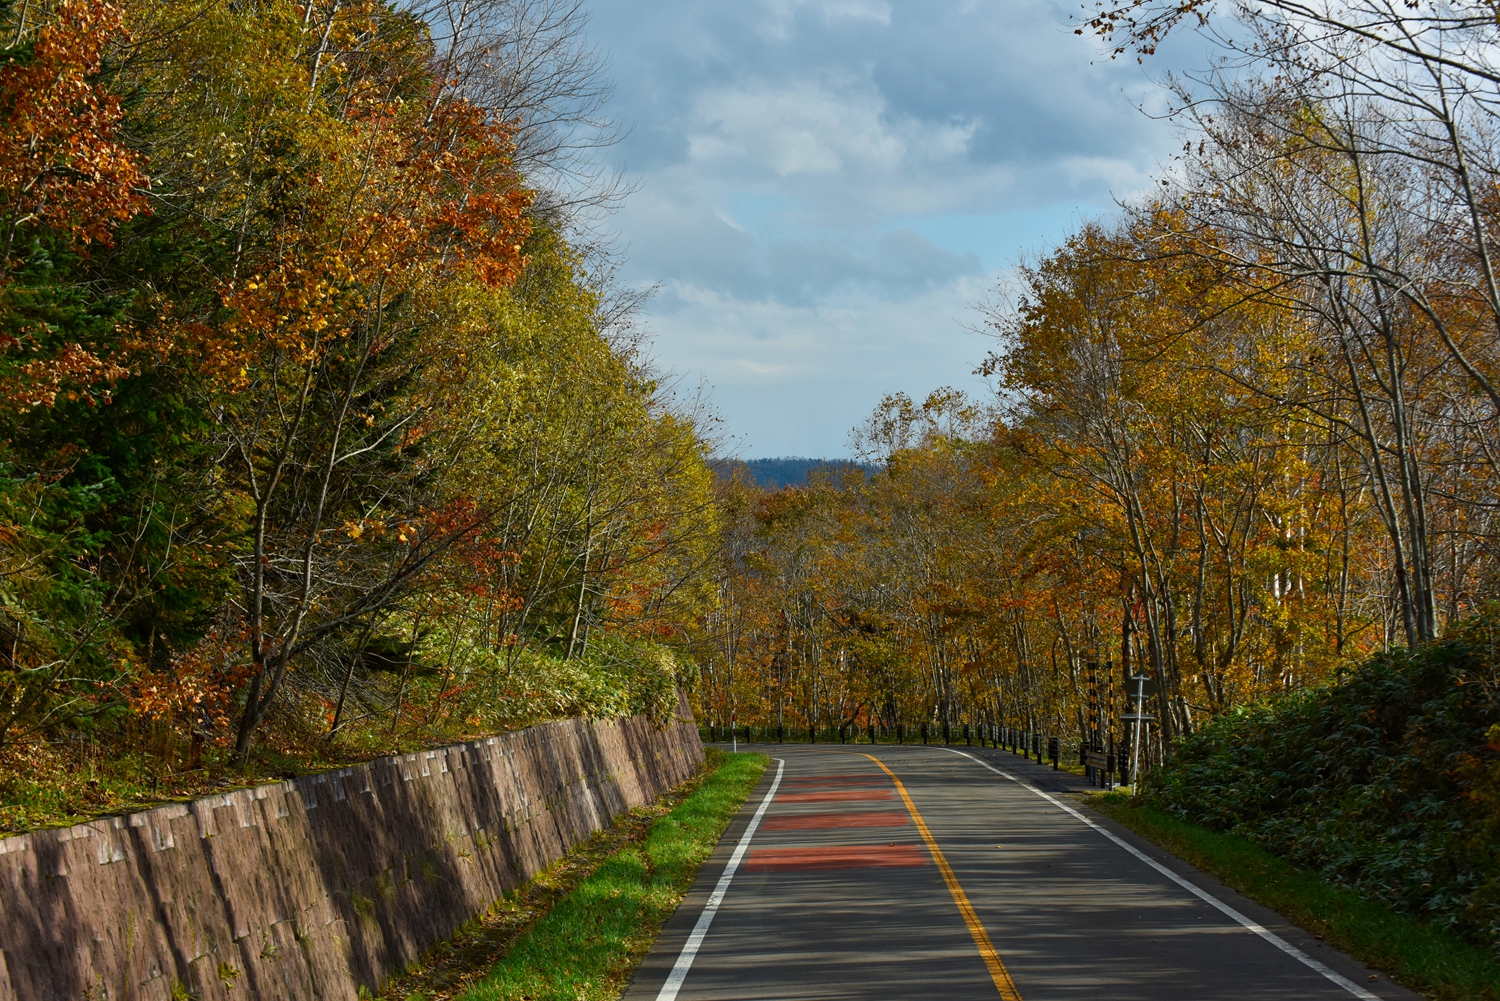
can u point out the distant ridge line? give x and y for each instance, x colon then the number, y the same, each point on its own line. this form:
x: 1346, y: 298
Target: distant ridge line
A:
x: 785, y: 471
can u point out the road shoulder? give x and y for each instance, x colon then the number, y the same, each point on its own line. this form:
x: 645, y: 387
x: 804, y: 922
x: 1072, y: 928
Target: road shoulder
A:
x: 652, y: 973
x: 1336, y: 959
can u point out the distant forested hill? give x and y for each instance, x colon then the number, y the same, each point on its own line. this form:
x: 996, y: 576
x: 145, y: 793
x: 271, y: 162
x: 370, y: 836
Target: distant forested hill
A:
x: 783, y: 471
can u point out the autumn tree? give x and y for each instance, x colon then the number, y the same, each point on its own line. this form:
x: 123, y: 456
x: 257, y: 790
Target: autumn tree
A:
x: 323, y: 438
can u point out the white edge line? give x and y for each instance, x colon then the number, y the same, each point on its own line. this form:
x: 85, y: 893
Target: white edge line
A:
x: 690, y: 948
x: 1261, y: 930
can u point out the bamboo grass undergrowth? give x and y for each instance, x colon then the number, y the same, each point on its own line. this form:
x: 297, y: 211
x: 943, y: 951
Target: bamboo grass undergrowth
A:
x: 1410, y: 951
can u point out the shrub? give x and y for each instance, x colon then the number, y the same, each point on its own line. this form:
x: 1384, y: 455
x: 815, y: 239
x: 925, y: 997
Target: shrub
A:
x: 1387, y: 780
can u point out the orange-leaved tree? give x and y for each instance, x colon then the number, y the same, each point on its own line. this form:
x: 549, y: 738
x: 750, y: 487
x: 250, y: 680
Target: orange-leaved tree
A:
x: 65, y: 179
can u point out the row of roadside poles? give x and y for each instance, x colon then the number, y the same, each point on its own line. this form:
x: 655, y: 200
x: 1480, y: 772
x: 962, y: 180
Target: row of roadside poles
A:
x: 1102, y: 757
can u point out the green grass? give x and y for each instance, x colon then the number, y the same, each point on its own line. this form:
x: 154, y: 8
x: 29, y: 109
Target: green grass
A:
x: 1410, y: 951
x: 589, y: 943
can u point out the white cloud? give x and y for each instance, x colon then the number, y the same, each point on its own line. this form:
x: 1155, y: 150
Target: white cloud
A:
x: 823, y: 184
x: 858, y: 10
x: 1121, y: 178
x: 781, y: 15
x: 812, y: 128
x: 821, y: 367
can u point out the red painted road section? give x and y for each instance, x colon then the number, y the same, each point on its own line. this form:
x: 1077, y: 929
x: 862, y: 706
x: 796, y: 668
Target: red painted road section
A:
x: 827, y: 821
x: 835, y: 796
x: 837, y: 857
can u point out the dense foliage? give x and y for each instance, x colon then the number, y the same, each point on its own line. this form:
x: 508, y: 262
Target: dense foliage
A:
x: 1244, y: 435
x: 317, y: 436
x: 1387, y: 781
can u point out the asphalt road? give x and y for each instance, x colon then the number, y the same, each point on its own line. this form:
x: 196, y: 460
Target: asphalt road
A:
x: 944, y: 878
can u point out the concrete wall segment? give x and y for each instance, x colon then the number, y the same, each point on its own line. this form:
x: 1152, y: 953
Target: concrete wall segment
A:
x: 311, y: 888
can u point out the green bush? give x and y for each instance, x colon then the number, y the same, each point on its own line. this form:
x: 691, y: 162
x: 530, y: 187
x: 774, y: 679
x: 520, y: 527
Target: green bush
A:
x: 1387, y: 781
x: 506, y: 688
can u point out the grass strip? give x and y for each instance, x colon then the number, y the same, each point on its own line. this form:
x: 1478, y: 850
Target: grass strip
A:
x: 578, y: 930
x: 1412, y: 952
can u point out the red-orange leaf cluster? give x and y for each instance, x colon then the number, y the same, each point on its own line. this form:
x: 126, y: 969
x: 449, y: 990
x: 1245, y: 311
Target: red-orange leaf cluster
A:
x: 60, y: 164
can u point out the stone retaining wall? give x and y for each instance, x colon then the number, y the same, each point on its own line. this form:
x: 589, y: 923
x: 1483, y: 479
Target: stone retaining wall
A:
x: 315, y: 887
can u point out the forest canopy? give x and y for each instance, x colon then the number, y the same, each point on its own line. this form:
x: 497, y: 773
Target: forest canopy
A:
x: 325, y: 432
x: 1243, y: 435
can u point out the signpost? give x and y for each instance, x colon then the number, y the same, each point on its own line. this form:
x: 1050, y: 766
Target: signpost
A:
x: 1138, y: 688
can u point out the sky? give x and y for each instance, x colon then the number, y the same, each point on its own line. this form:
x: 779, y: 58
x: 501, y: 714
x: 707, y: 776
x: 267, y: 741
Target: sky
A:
x: 826, y: 189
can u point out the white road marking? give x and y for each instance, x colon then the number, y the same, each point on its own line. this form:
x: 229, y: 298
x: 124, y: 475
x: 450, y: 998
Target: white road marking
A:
x: 1261, y: 930
x: 690, y: 948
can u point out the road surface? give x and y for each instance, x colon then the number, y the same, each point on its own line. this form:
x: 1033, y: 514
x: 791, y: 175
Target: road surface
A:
x: 965, y: 873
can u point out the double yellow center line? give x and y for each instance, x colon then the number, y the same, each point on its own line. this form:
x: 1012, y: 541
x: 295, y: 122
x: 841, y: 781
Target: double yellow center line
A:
x: 998, y: 973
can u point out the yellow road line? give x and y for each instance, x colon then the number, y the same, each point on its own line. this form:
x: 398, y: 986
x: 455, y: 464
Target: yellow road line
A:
x: 998, y: 972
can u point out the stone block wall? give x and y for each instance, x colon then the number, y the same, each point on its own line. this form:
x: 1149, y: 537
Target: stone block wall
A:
x: 314, y: 888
